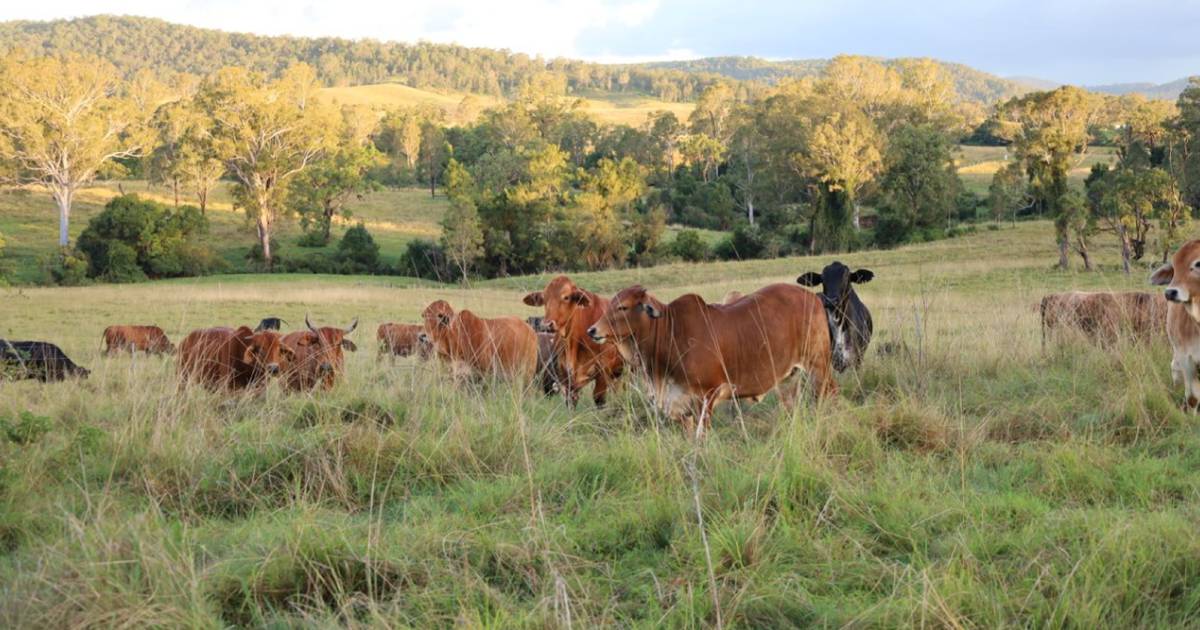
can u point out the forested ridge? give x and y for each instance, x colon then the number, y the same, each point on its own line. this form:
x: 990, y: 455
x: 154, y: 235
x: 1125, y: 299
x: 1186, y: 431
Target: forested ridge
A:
x: 133, y: 44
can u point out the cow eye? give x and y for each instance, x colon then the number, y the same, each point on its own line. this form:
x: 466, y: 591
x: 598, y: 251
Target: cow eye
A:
x: 1196, y: 264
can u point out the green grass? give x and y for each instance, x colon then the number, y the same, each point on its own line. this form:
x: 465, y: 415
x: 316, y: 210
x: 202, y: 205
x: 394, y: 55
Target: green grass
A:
x: 973, y: 480
x: 29, y: 221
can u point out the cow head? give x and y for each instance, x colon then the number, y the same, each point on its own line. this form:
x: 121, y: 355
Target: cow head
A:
x: 437, y: 317
x: 328, y: 343
x: 263, y: 352
x: 561, y: 299
x: 630, y: 313
x: 162, y: 344
x: 835, y: 280
x: 1181, y: 276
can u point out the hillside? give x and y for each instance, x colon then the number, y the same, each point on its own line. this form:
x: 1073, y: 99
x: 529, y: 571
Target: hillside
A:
x: 135, y: 44
x: 971, y: 84
x: 604, y: 107
x: 1169, y: 91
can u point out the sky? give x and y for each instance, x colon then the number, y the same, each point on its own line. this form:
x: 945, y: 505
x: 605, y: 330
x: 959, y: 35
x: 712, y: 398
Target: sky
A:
x: 1085, y: 42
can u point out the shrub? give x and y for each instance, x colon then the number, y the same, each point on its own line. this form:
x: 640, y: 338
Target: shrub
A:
x: 745, y: 243
x: 314, y: 238
x: 65, y: 267
x: 425, y: 259
x: 256, y: 252
x: 133, y: 238
x: 689, y: 246
x: 358, y: 250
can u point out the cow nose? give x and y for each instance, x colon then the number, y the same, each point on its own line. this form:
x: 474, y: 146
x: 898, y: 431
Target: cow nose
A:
x: 326, y: 368
x: 592, y: 333
x: 1172, y: 295
x: 272, y: 368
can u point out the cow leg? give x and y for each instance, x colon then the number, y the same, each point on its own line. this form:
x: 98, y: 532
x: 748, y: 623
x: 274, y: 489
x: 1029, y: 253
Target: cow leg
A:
x: 600, y: 390
x: 1191, y: 384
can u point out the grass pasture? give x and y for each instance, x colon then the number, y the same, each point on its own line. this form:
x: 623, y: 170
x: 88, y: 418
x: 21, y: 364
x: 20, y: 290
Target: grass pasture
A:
x: 29, y: 221
x: 977, y: 165
x: 970, y: 479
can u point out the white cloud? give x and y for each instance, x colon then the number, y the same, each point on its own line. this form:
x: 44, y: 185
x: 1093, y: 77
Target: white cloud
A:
x: 550, y: 28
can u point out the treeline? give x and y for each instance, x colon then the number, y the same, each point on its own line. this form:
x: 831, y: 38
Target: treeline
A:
x: 1147, y: 201
x: 969, y: 84
x: 177, y: 54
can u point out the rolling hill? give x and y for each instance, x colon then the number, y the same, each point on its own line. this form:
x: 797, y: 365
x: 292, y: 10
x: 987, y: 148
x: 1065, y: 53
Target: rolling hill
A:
x: 1169, y: 90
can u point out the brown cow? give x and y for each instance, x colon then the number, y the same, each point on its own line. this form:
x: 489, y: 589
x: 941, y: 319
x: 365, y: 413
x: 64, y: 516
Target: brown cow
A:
x: 149, y: 339
x: 402, y: 340
x: 696, y: 355
x: 318, y: 357
x: 224, y: 358
x: 570, y: 311
x: 1181, y: 276
x: 1103, y: 317
x: 732, y: 297
x: 504, y: 346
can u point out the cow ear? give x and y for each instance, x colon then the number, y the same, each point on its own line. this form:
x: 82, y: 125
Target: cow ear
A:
x: 537, y: 298
x: 862, y: 276
x: 579, y: 297
x: 1162, y: 276
x: 248, y: 355
x: 810, y: 279
x: 349, y: 345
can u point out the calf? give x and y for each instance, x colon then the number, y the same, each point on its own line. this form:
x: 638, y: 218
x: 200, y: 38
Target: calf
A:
x: 1103, y: 317
x: 149, y: 339
x: 1181, y: 276
x: 37, y: 360
x: 401, y: 340
x: 504, y: 346
x: 270, y: 323
x: 569, y: 311
x: 318, y: 357
x: 228, y: 359
x: 696, y: 355
x: 850, y: 324
x: 549, y: 368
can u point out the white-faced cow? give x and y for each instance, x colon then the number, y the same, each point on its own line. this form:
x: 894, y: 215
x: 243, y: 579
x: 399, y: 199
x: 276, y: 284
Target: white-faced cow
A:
x: 1181, y: 276
x: 849, y: 320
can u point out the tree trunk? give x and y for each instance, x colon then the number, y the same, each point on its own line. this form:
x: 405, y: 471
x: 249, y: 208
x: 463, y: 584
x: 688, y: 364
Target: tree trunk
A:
x: 1082, y: 248
x: 1126, y: 249
x: 202, y: 196
x: 175, y: 190
x: 329, y: 211
x: 1064, y: 262
x: 63, y: 199
x: 857, y: 215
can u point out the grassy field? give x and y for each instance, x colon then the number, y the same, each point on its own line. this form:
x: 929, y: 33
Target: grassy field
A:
x: 604, y: 107
x: 29, y: 221
x: 971, y: 480
x: 976, y: 165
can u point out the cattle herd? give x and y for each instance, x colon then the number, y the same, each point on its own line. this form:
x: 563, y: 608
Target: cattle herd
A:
x: 690, y: 354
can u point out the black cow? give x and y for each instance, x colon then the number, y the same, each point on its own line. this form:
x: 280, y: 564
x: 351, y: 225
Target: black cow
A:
x: 270, y: 323
x: 849, y: 320
x: 538, y: 324
x: 37, y: 359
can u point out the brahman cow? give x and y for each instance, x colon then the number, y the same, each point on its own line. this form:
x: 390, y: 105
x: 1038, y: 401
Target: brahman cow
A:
x: 1181, y: 276
x: 504, y: 346
x: 850, y: 324
x: 149, y: 339
x: 402, y: 340
x: 1103, y: 317
x: 225, y: 358
x: 696, y: 355
x: 38, y: 360
x: 569, y: 312
x: 318, y: 357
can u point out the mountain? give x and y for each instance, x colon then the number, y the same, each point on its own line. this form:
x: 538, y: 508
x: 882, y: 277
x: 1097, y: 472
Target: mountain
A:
x: 1034, y: 83
x: 971, y: 84
x: 1169, y: 91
